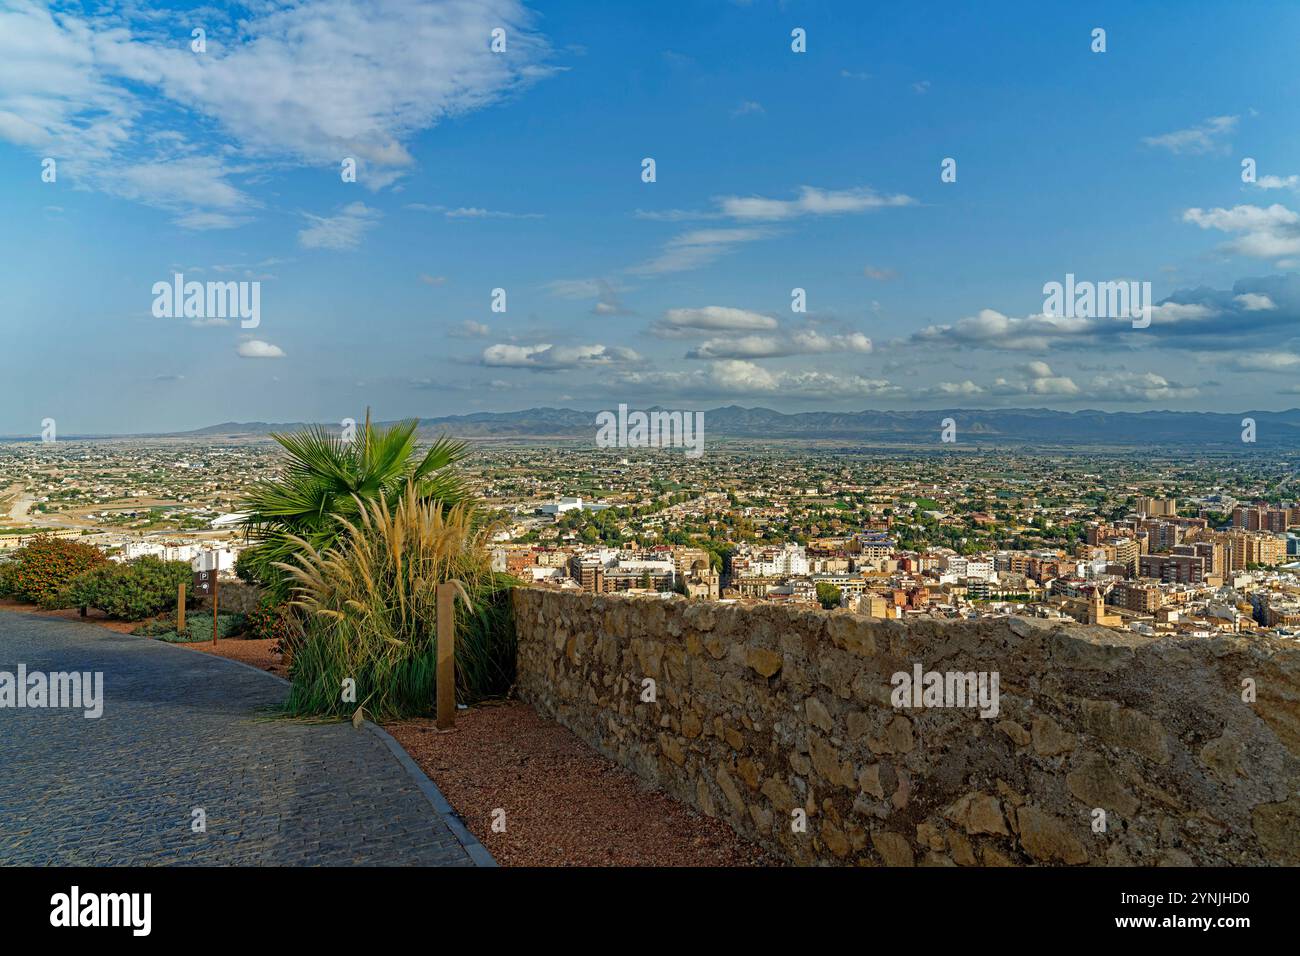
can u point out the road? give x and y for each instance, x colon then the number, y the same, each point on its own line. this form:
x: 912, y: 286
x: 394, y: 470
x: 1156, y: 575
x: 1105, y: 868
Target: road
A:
x: 183, y: 731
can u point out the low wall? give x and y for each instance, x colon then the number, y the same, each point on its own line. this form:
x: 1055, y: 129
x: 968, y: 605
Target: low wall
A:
x: 781, y: 722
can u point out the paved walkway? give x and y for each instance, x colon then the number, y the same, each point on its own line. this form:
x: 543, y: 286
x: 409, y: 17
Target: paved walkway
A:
x: 182, y: 730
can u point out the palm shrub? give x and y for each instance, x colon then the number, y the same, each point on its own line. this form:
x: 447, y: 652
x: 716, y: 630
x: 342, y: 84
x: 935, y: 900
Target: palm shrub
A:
x: 329, y: 482
x: 370, y: 609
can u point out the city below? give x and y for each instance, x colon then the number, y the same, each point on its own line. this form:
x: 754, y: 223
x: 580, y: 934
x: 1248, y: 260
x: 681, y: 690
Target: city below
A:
x: 1151, y: 543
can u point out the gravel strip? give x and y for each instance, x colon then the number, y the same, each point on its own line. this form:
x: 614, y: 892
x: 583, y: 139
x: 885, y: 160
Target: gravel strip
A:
x: 260, y: 654
x: 565, y: 804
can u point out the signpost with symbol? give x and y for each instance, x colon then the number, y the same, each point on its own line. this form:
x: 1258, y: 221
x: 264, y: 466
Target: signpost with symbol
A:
x: 205, y: 584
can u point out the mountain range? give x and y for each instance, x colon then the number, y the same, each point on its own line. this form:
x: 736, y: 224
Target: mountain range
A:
x: 982, y: 426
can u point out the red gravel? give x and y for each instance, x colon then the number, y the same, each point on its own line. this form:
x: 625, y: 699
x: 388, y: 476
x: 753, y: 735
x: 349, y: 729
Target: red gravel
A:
x: 565, y: 804
x: 258, y: 653
x: 93, y: 616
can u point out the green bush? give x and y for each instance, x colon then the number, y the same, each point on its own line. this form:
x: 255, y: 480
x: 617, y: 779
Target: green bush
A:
x: 42, y: 569
x: 246, y: 567
x: 198, y: 627
x: 8, y: 578
x: 131, y: 591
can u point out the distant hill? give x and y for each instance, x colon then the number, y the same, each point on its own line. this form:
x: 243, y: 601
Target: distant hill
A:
x: 991, y: 426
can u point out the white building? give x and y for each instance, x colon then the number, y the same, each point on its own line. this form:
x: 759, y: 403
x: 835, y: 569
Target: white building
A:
x: 791, y: 559
x: 561, y: 505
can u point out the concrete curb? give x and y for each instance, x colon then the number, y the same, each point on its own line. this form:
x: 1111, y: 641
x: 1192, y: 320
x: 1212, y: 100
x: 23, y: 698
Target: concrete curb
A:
x: 476, y: 850
x: 478, y: 853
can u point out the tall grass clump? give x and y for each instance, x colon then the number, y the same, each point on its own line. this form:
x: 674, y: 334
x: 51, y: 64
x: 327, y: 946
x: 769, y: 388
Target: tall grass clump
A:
x: 369, y: 605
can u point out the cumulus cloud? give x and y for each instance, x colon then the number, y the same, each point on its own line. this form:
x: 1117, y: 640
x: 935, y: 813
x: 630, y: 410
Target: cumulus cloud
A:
x: 1263, y: 361
x: 989, y: 328
x: 1278, y: 182
x: 808, y: 342
x: 1254, y: 302
x: 1262, y: 233
x: 257, y: 349
x: 1040, y: 381
x: 735, y: 377
x: 547, y: 357
x: 1256, y: 306
x: 1137, y: 386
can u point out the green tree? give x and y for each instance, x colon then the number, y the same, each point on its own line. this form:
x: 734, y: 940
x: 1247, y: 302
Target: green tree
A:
x: 828, y: 595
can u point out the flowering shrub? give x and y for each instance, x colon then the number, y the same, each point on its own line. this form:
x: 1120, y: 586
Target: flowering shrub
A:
x: 269, y: 620
x: 42, y: 568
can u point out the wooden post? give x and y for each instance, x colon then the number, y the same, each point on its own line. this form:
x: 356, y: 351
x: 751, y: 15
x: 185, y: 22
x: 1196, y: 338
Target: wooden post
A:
x: 446, y: 656
x: 180, y: 609
x: 214, y: 602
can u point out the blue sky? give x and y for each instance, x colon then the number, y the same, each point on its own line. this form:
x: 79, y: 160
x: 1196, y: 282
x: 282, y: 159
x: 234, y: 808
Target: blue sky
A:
x: 521, y: 170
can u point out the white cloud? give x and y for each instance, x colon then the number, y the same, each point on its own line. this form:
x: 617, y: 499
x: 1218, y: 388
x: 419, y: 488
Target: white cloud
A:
x: 1042, y: 382
x: 476, y: 212
x: 811, y: 202
x: 712, y: 318
x: 691, y: 250
x: 305, y: 83
x: 1205, y: 137
x: 1263, y: 232
x: 879, y: 274
x: 770, y: 346
x: 604, y: 291
x: 991, y: 329
x: 343, y: 231
x: 1263, y: 361
x: 469, y: 329
x: 1136, y: 386
x: 257, y: 349
x: 1254, y: 302
x: 734, y: 377
x: 1278, y: 182
x: 546, y: 357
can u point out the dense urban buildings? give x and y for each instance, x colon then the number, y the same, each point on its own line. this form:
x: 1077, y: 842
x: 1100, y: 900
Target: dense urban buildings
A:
x: 1152, y: 545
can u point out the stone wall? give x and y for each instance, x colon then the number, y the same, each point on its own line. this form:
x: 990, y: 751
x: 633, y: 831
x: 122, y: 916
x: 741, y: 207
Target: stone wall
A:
x: 780, y: 721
